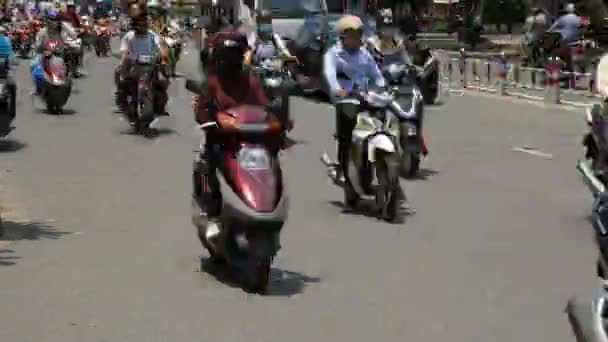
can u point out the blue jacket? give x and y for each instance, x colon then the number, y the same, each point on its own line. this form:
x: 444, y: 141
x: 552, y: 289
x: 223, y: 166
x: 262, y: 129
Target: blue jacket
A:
x: 6, y: 48
x: 359, y: 67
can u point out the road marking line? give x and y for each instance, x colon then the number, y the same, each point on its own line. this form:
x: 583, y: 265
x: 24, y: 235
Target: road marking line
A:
x: 533, y: 151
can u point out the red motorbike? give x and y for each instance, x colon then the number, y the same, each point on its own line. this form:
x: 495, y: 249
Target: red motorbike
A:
x: 245, y: 194
x: 24, y: 42
x: 102, y: 41
x: 57, y: 85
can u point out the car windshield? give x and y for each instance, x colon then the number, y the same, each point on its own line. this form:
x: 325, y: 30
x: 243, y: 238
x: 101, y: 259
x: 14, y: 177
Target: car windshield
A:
x: 294, y: 8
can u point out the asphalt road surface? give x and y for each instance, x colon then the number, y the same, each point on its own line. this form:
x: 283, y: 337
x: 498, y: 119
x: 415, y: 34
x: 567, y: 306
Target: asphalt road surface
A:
x: 100, y: 245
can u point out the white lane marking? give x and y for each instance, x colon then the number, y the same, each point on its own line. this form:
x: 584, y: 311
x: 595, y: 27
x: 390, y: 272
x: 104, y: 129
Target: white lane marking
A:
x: 533, y: 151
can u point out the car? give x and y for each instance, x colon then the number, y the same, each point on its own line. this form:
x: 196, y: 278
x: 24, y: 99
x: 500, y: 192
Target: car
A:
x: 315, y: 37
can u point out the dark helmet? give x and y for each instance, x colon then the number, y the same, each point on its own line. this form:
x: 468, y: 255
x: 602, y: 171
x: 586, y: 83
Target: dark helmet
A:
x: 229, y: 51
x: 139, y: 18
x: 54, y: 19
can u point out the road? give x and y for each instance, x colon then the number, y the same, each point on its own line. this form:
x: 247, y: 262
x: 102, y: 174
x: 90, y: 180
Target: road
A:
x: 100, y: 245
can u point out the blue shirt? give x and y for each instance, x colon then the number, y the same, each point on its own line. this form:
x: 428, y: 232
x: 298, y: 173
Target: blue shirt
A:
x: 359, y: 66
x: 6, y: 48
x: 568, y: 25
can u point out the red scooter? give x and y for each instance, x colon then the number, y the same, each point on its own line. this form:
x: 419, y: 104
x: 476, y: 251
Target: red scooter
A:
x: 57, y: 85
x: 245, y: 195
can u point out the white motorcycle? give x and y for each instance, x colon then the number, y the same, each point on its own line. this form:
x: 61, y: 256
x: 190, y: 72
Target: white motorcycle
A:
x: 373, y: 166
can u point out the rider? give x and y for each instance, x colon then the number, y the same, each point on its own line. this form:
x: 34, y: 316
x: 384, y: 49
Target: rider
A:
x: 70, y: 15
x: 567, y: 25
x: 7, y: 54
x: 346, y: 64
x: 100, y: 10
x: 266, y: 43
x: 141, y: 41
x: 349, y: 64
x: 55, y: 29
x: 227, y: 86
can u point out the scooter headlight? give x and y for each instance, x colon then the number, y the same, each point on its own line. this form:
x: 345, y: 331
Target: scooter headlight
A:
x: 254, y: 159
x: 272, y: 82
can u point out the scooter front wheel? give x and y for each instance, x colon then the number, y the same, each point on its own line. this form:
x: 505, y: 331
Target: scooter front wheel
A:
x: 259, y: 277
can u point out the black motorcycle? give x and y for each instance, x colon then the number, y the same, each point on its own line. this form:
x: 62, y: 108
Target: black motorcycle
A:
x: 588, y: 317
x: 7, y: 105
x: 594, y: 167
x: 401, y: 78
x: 140, y: 97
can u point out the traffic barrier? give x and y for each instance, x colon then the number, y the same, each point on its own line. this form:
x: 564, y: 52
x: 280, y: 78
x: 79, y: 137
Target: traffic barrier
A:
x: 498, y: 75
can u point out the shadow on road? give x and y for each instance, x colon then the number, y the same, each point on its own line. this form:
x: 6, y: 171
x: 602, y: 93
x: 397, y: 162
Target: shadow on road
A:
x: 66, y: 112
x: 6, y: 259
x: 425, y: 174
x: 15, y: 231
x: 366, y: 207
x: 11, y: 146
x: 282, y: 283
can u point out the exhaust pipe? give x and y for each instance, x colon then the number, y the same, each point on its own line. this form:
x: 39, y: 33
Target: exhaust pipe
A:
x: 591, y: 181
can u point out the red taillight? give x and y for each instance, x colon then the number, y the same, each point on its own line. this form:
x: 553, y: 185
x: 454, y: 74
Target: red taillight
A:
x: 586, y: 21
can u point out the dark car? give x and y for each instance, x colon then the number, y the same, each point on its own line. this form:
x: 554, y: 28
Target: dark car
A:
x: 315, y: 37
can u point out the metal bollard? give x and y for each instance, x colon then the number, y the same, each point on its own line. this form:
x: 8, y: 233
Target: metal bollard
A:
x: 463, y: 67
x: 503, y: 69
x: 552, y: 84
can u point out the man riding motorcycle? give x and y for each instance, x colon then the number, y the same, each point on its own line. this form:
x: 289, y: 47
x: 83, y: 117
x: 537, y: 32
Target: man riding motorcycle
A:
x: 55, y: 29
x: 348, y: 54
x: 265, y: 43
x: 347, y: 65
x: 141, y: 41
x: 567, y: 25
x: 71, y: 16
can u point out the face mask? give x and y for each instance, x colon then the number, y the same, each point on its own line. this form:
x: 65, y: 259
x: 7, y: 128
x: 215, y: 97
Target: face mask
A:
x: 265, y: 29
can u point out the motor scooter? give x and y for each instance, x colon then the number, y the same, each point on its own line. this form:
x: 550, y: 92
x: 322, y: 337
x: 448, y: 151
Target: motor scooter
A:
x: 240, y: 206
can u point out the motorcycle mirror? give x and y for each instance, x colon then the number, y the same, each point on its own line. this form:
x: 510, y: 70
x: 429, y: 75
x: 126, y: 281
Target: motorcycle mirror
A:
x: 602, y: 76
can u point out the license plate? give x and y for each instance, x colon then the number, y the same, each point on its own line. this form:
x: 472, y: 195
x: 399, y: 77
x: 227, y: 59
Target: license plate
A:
x: 411, y: 131
x: 144, y: 59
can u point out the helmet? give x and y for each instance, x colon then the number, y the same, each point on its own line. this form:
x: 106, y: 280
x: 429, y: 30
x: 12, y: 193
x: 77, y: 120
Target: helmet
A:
x: 570, y: 8
x: 229, y: 51
x: 70, y: 3
x: 349, y: 23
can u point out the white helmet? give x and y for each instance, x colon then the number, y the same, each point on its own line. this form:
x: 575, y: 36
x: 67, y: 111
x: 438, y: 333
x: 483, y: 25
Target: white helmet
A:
x: 347, y: 23
x: 570, y: 8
